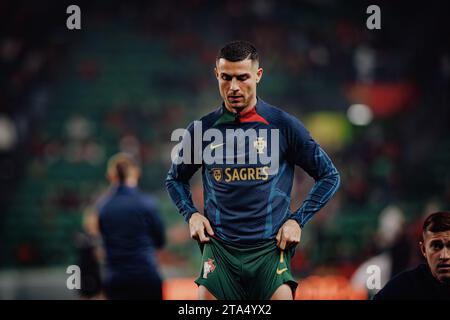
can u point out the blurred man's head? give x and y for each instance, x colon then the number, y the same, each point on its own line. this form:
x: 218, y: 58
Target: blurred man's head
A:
x: 237, y: 72
x: 123, y: 169
x: 435, y: 245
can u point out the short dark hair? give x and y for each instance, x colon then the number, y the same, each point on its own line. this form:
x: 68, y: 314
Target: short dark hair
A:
x: 437, y: 222
x: 238, y: 50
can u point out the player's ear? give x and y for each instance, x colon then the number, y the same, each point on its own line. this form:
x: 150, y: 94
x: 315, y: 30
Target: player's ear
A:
x: 110, y: 176
x: 422, y: 249
x: 138, y: 173
x: 259, y: 74
x: 216, y: 73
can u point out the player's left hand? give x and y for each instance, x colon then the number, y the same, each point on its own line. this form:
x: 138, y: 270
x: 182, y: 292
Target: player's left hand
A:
x: 289, y: 234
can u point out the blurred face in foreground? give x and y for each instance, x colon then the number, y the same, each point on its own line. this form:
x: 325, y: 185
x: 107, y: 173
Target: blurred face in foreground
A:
x: 436, y: 249
x: 237, y: 83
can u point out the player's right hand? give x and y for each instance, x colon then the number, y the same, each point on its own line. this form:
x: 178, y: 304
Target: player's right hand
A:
x: 197, y: 226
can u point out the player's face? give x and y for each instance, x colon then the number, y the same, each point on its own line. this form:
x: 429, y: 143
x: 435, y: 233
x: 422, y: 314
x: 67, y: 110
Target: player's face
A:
x: 237, y: 82
x: 436, y: 249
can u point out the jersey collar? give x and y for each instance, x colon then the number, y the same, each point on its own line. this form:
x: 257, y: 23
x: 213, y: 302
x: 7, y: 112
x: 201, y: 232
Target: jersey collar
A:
x: 248, y: 116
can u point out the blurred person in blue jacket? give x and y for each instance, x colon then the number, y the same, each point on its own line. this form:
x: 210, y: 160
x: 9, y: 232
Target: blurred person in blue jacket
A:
x: 131, y: 230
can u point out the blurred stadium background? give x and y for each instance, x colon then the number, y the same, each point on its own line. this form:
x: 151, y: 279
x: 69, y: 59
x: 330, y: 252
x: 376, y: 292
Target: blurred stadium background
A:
x: 376, y: 100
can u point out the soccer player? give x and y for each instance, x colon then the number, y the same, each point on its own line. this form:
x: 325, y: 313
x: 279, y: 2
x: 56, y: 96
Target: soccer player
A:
x: 131, y: 230
x: 431, y: 280
x: 248, y: 233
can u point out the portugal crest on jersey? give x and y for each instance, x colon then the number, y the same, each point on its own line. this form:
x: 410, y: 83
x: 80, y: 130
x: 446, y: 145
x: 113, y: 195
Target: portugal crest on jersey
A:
x: 217, y: 174
x: 259, y: 145
x: 208, y: 267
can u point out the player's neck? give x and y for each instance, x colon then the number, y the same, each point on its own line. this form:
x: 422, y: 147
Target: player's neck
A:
x: 244, y: 110
x: 129, y: 183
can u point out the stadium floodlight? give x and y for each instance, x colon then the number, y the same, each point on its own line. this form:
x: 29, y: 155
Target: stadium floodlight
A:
x: 8, y: 133
x: 360, y: 114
